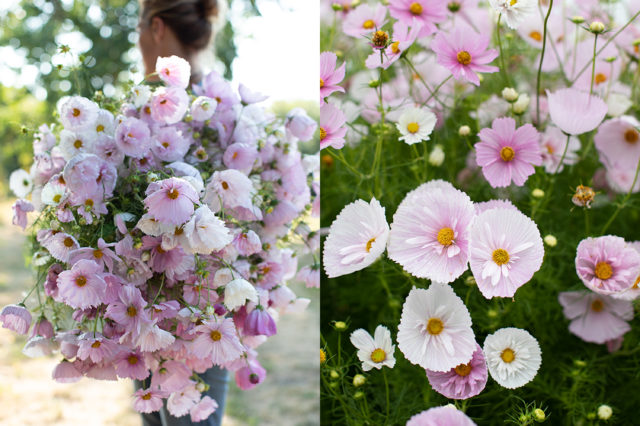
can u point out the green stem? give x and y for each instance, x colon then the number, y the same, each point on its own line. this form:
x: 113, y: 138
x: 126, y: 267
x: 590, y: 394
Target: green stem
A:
x: 544, y: 46
x: 344, y: 161
x: 424, y: 83
x: 551, y: 180
x: 593, y: 66
x: 503, y: 68
x: 436, y: 89
x: 624, y: 202
x: 575, y: 50
x: 386, y: 389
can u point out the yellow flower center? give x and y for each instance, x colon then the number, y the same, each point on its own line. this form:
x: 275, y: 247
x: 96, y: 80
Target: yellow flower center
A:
x: 81, y: 281
x: 133, y: 360
x: 165, y: 144
x: 508, y: 355
x: 173, y: 194
x: 507, y: 153
x: 321, y: 83
x: 77, y: 144
x: 323, y: 133
x: 597, y: 305
x: 99, y: 128
x: 323, y: 356
x: 378, y: 355
x: 57, y: 198
x: 225, y: 185
x: 76, y: 112
x: 132, y: 311
x: 500, y: 256
x: 235, y: 155
x: 88, y: 202
x: 413, y: 127
x: 600, y: 78
x: 96, y: 344
x: 631, y: 136
x: 147, y: 396
x: 215, y: 335
x: 370, y: 243
x: 445, y: 236
x: 68, y: 242
x: 435, y: 326
x: 368, y: 24
x: 394, y: 47
x: 463, y: 370
x: 513, y: 2
x: 97, y: 254
x: 464, y: 57
x: 535, y: 35
x: 415, y: 8
x: 603, y: 270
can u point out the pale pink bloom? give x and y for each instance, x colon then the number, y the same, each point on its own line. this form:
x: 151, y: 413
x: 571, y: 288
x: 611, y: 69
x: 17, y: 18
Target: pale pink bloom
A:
x: 575, y: 112
x: 102, y: 255
x: 174, y: 71
x: 230, y: 188
x: 128, y: 310
x: 96, y: 347
x: 259, y: 323
x: 618, y: 142
x: 216, y: 87
x: 364, y: 20
x: 66, y: 372
x: 169, y: 104
x: 309, y: 275
x: 147, y: 400
x: 505, y: 251
x: 169, y: 144
x: 247, y: 243
x: 357, y: 238
x: 240, y: 156
x: 72, y: 143
x: 493, y: 204
x: 203, y: 409
x: 237, y: 292
x: 330, y: 76
x: 464, y: 52
x: 300, y: 125
x: 332, y: 127
x: 430, y: 233
x: 507, y: 154
x: 89, y: 174
x: 180, y: 402
x: 614, y: 345
x: 39, y: 346
x: 447, y: 415
x: 427, y: 12
x: 171, y: 200
x: 107, y: 149
x: 217, y: 339
x: 133, y: 137
x: 435, y: 329
x: 552, y: 145
x: 20, y: 209
x: 250, y: 375
x: 514, y: 12
x: 620, y: 177
x: 203, y: 108
x: 152, y: 338
x: 171, y: 376
x: 596, y: 318
x: 82, y: 286
x: 205, y: 232
x: 16, y: 318
x: 403, y: 38
x: 42, y: 327
x: 464, y: 380
x: 248, y: 96
x: 607, y: 264
x: 78, y: 113
x: 131, y: 365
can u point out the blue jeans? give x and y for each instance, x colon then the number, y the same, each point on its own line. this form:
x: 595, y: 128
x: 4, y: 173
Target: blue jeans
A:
x: 218, y: 380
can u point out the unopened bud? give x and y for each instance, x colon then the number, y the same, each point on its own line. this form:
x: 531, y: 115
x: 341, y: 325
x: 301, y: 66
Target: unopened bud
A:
x: 539, y: 415
x: 537, y: 193
x: 604, y: 412
x: 464, y: 130
x: 436, y: 157
x: 340, y: 325
x: 577, y: 19
x: 509, y: 94
x: 521, y: 105
x: 596, y: 27
x: 550, y: 240
x: 359, y: 380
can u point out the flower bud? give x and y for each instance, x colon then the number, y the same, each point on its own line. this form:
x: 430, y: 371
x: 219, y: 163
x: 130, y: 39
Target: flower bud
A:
x: 436, y: 158
x: 577, y: 19
x: 537, y: 193
x: 359, y: 380
x: 334, y: 374
x: 323, y: 356
x: 374, y: 83
x: 596, y: 27
x: 521, y: 105
x: 340, y: 325
x: 358, y: 395
x: 539, y: 415
x: 464, y: 130
x: 337, y: 7
x: 550, y: 240
x: 604, y: 412
x: 509, y: 94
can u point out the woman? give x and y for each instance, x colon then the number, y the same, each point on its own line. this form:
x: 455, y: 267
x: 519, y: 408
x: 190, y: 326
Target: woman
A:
x: 182, y: 28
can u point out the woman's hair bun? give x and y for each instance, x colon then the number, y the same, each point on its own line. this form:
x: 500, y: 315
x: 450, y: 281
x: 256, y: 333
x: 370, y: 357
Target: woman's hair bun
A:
x: 208, y: 8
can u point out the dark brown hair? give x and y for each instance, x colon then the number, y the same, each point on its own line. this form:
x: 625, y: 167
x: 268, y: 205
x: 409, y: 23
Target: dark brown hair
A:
x: 190, y: 20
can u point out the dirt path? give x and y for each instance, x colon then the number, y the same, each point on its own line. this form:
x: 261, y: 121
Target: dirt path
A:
x: 289, y: 396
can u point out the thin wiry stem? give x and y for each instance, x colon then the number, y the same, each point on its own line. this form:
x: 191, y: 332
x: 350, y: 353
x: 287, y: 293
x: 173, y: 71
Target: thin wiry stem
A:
x: 544, y: 46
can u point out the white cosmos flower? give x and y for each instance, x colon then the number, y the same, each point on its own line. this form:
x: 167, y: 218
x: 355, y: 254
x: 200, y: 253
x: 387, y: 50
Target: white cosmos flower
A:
x: 356, y: 238
x: 514, y: 12
x: 140, y: 95
x: 205, y: 232
x: 237, y: 292
x: 78, y: 113
x: 374, y: 352
x: 53, y: 193
x: 513, y: 357
x: 105, y: 123
x: 416, y: 124
x: 72, y: 144
x: 435, y: 329
x: 21, y: 183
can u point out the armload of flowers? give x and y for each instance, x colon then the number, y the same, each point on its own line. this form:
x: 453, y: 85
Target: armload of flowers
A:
x: 479, y: 152
x: 164, y: 235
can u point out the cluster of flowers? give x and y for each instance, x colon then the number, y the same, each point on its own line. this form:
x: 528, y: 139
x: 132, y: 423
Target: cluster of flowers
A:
x: 164, y: 236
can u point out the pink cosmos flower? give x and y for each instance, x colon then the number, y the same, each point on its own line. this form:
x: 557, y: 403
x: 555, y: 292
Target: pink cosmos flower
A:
x: 171, y: 200
x: 174, y: 262
x: 248, y: 96
x: 147, y: 400
x: 203, y: 409
x: 153, y: 338
x: 300, y: 125
x: 83, y: 286
x: 364, y: 20
x: 96, y: 347
x: 180, y: 402
x: 171, y: 376
x: 596, y: 318
x: 66, y: 372
x: 128, y: 311
x: 107, y: 149
x: 42, y: 327
x: 203, y: 108
x: 403, y: 38
x: 462, y: 381
x: 251, y: 375
x: 205, y: 232
x: 430, y: 233
x: 575, y: 112
x: 505, y: 251
x: 309, y: 275
x: 131, y: 365
x: 233, y: 189
x: 16, y: 318
x: 493, y: 204
x: 216, y: 87
x: 440, y: 416
x: 89, y: 174
x: 259, y: 323
x: 169, y: 104
x: 133, y: 137
x: 78, y: 113
x: 464, y: 52
x: 247, y: 243
x: 217, y: 339
x: 427, y: 12
x: 552, y: 144
x: 507, y: 154
x: 332, y: 127
x: 607, y: 264
x: 102, y: 255
x: 618, y: 142
x: 20, y: 209
x: 174, y: 71
x: 60, y: 245
x: 330, y: 76
x: 240, y: 156
x: 169, y: 144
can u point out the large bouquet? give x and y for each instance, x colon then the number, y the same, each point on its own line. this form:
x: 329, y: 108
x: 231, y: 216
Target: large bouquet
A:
x: 492, y: 152
x: 164, y: 235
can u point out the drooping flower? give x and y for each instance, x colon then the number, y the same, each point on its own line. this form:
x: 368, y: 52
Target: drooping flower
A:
x: 507, y: 154
x: 203, y: 108
x: 575, y: 112
x: 16, y: 318
x: 20, y: 209
x: 300, y: 124
x: 332, y: 128
x: 430, y: 232
x: 330, y: 76
x: 505, y: 251
x: 237, y: 292
x: 447, y: 415
x: 251, y: 375
x: 364, y: 20
x: 607, y: 264
x: 464, y: 380
x: 596, y: 318
x: 552, y: 145
x: 374, y: 352
x: 514, y: 12
x: 203, y: 409
x: 217, y: 339
x: 174, y: 71
x: 259, y: 323
x: 513, y: 356
x: 435, y: 329
x: 357, y: 237
x: 147, y: 400
x: 416, y: 124
x: 83, y: 286
x: 464, y: 53
x: 171, y: 200
x: 427, y: 12
x: 618, y: 142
